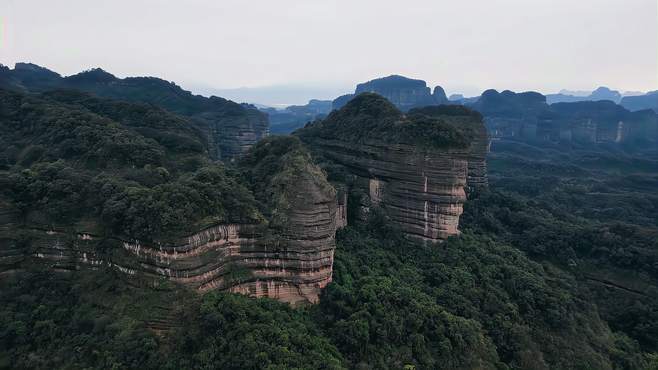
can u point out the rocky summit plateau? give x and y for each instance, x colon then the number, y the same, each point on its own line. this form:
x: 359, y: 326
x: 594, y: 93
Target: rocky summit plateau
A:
x: 405, y: 93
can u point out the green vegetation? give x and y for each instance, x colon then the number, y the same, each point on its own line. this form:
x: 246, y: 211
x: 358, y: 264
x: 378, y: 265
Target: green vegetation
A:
x: 139, y: 171
x: 278, y: 169
x: 99, y: 320
x: 370, y: 117
x: 557, y: 266
x: 590, y: 210
x: 471, y: 303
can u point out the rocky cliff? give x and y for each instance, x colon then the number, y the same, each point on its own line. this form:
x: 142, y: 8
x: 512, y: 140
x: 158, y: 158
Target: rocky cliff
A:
x: 231, y: 128
x: 95, y: 183
x: 416, y: 167
x: 527, y: 117
x: 405, y: 93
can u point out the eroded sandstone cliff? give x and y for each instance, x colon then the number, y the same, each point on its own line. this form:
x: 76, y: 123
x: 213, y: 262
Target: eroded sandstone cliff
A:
x: 405, y: 93
x: 94, y: 183
x: 289, y: 258
x: 417, y: 167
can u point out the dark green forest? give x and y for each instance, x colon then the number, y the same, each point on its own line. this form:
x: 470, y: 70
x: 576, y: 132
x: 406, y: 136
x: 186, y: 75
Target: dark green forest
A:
x: 140, y: 171
x: 556, y: 267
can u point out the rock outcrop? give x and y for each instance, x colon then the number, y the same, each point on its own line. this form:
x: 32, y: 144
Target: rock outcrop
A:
x: 231, y: 128
x: 131, y: 188
x: 527, y: 117
x: 417, y: 167
x: 237, y: 258
x: 290, y: 261
x: 405, y: 93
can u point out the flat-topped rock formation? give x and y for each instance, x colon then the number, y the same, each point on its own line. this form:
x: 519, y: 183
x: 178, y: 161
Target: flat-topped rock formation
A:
x: 527, y: 117
x: 417, y: 167
x: 405, y: 93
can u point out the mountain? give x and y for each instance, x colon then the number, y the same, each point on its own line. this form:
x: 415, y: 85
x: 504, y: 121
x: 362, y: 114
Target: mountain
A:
x: 231, y: 129
x: 510, y: 104
x: 528, y: 117
x: 121, y: 240
x: 640, y: 102
x: 435, y: 153
x: 285, y: 121
x: 601, y: 93
x: 405, y: 93
x: 134, y: 188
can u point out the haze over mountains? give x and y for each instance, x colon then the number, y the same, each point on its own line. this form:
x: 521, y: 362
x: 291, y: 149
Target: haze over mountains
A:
x: 230, y: 128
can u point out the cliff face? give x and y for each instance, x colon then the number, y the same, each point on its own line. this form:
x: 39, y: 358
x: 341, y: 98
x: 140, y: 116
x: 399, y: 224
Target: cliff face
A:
x: 291, y: 263
x: 131, y: 188
x: 527, y: 117
x: 233, y: 257
x: 231, y: 128
x: 417, y: 167
x: 405, y: 93
x: 231, y: 132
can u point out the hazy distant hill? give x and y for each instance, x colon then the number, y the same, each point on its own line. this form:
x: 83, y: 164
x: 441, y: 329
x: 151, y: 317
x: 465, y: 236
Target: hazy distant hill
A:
x: 405, y: 93
x: 601, y: 93
x: 284, y: 121
x: 639, y: 102
x: 231, y: 128
x: 527, y: 116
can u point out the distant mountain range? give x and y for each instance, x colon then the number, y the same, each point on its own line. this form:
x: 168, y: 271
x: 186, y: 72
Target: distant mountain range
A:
x: 230, y: 128
x: 601, y: 93
x: 639, y: 102
x: 405, y: 93
x: 600, y: 116
x: 631, y: 100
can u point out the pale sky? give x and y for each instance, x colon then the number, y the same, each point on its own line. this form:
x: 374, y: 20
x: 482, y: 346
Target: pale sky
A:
x: 466, y: 46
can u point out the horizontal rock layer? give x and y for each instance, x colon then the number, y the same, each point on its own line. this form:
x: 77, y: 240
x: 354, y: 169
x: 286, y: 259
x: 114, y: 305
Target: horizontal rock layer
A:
x: 291, y: 261
x: 240, y: 258
x: 423, y: 191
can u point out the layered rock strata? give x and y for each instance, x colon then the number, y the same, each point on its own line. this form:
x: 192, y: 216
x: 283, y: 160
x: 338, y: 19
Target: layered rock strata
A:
x: 247, y: 259
x: 288, y: 257
x: 422, y: 185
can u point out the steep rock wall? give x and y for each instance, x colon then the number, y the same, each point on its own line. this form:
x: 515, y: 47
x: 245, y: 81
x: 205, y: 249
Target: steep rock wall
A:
x: 405, y: 93
x: 423, y: 192
x: 231, y: 135
x: 247, y: 259
x: 421, y: 181
x: 288, y: 257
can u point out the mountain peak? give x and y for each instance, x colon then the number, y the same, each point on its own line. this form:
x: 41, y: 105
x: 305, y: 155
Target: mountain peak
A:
x: 94, y: 75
